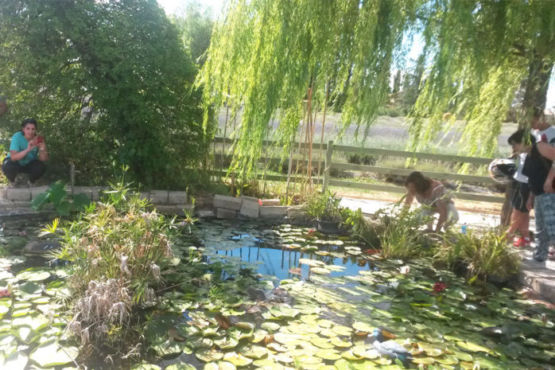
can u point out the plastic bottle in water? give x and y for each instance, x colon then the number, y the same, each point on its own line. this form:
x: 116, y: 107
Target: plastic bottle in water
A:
x: 464, y: 228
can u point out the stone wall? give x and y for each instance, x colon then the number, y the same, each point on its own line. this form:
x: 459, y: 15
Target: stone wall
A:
x: 166, y: 201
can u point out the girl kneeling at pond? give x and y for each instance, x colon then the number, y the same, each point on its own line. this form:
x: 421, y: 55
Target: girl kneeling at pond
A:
x: 431, y: 194
x: 27, y: 153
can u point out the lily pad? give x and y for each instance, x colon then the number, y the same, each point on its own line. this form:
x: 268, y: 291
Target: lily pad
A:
x: 237, y: 359
x: 52, y: 354
x: 33, y: 275
x: 473, y: 347
x: 209, y: 355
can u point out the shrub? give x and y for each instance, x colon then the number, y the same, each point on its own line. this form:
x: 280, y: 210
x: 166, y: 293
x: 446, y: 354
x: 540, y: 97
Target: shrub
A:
x: 483, y: 257
x: 118, y: 252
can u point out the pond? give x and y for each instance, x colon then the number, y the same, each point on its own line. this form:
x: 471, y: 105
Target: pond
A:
x: 323, y: 297
x: 281, y: 252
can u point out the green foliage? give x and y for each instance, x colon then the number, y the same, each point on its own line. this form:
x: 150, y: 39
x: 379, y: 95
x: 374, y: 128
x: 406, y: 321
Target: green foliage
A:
x: 118, y: 251
x: 109, y: 82
x: 362, y: 229
x: 266, y: 54
x: 324, y: 207
x: 483, y: 256
x: 196, y: 29
x: 64, y: 204
x: 400, y: 235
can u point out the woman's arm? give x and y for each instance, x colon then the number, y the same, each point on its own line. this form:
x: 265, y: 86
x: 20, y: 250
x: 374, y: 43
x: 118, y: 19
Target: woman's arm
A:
x: 43, y: 153
x: 547, y: 150
x: 17, y: 156
x: 408, y: 199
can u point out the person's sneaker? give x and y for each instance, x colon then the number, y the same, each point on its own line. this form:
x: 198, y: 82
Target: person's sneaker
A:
x: 527, y: 242
x: 519, y: 243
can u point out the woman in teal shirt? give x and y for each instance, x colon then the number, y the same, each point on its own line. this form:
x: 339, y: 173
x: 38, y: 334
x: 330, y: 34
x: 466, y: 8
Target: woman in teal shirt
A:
x: 27, y: 153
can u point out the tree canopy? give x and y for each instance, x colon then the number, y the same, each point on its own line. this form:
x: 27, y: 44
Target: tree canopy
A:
x: 266, y: 56
x: 109, y: 82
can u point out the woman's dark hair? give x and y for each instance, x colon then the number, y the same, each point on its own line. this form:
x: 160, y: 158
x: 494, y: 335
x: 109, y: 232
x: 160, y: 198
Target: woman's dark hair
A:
x: 26, y: 121
x: 519, y: 136
x: 421, y: 182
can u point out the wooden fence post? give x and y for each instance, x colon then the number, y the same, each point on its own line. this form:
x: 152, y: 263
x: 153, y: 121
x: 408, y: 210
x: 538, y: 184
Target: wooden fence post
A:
x: 327, y: 166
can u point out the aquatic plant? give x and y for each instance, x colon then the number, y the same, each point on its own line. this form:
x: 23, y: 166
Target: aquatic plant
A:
x: 64, y: 204
x: 401, y: 236
x: 118, y: 251
x: 324, y: 207
x: 483, y: 257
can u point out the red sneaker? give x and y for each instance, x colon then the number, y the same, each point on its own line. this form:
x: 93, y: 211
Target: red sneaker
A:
x: 519, y: 243
x: 527, y: 242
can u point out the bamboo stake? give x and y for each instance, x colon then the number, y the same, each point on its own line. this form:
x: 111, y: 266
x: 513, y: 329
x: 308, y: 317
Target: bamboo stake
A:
x: 322, y: 131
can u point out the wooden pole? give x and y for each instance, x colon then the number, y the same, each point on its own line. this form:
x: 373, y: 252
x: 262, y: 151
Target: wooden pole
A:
x: 322, y: 131
x: 327, y: 166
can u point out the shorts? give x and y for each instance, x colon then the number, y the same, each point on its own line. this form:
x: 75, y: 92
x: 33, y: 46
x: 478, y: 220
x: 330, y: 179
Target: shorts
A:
x: 520, y: 195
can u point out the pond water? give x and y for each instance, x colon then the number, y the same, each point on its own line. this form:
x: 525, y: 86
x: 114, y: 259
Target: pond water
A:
x: 334, y: 295
x: 282, y: 252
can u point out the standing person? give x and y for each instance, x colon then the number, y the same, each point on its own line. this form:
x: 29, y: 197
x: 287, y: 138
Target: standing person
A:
x: 537, y: 168
x: 27, y: 153
x: 520, y: 215
x: 432, y: 195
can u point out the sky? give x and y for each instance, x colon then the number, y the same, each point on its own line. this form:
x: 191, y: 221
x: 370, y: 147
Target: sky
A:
x: 176, y: 7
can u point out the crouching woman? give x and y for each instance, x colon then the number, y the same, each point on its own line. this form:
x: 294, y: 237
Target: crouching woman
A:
x: 431, y: 194
x: 27, y: 153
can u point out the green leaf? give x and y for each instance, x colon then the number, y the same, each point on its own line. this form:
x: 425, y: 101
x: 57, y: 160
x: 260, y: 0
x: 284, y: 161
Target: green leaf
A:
x: 52, y: 354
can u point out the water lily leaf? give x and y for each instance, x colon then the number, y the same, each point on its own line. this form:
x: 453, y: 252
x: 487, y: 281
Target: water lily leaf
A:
x: 226, y: 343
x: 449, y: 360
x: 327, y: 354
x: 276, y: 347
x: 35, y: 322
x: 284, y: 338
x: 382, y: 361
x: 209, y: 355
x: 15, y: 361
x: 259, y: 336
x: 423, y: 360
x: 256, y: 352
x: 283, y: 358
x: 237, y: 359
x: 328, y: 333
x: 51, y: 354
x: 168, y: 348
x: 30, y: 288
x: 361, y: 326
x: 311, y: 263
x: 220, y: 365
x: 284, y: 312
x: 307, y: 360
x: 473, y: 347
x: 33, y: 275
x: 320, y: 271
x: 22, y: 312
x: 321, y: 342
x: 200, y: 343
x: 3, y: 310
x: 325, y: 323
x: 270, y: 326
x: 342, y: 330
x: 267, y: 363
x: 245, y: 325
x: 340, y: 343
x: 210, y: 332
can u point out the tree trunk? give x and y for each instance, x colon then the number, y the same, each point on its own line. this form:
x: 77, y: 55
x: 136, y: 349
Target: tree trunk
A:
x: 535, y: 91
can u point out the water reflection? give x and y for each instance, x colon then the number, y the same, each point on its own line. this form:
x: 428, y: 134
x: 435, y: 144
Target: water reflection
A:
x: 277, y: 250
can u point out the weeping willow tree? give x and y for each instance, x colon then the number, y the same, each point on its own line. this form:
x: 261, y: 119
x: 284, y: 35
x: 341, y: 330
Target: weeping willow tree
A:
x: 268, y: 57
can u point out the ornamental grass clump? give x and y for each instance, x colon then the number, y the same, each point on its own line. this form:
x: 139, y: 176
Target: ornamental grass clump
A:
x: 488, y: 257
x: 118, y: 251
x: 400, y: 235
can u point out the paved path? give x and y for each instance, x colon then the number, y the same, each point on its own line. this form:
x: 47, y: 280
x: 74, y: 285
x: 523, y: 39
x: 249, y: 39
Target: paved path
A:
x: 540, y: 277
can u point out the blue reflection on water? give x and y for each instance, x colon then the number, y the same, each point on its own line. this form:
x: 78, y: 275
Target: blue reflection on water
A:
x: 267, y: 256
